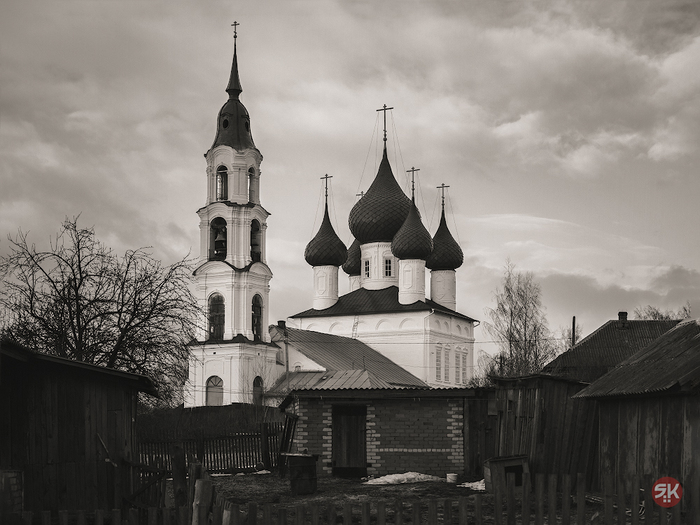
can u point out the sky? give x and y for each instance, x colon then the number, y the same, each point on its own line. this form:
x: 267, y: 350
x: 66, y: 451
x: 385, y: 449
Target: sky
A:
x: 567, y: 132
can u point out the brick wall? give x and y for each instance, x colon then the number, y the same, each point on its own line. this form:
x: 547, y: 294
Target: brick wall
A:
x: 402, y: 435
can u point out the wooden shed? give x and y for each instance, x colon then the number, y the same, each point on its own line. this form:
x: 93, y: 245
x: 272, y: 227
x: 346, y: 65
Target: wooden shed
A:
x: 538, y: 418
x: 649, y: 409
x: 66, y: 427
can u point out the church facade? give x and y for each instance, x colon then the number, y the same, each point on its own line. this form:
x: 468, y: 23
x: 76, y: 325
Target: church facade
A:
x: 234, y: 359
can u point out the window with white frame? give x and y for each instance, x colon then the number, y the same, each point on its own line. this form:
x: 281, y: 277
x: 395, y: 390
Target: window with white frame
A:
x: 387, y: 268
x: 464, y: 369
x: 447, y: 364
x: 458, y: 367
x: 367, y: 268
x: 438, y: 363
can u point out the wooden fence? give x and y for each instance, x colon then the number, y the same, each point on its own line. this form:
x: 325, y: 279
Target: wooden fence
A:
x: 549, y: 500
x: 234, y: 453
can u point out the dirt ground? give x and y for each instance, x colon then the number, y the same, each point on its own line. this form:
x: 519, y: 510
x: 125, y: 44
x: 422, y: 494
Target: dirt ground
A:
x: 270, y: 488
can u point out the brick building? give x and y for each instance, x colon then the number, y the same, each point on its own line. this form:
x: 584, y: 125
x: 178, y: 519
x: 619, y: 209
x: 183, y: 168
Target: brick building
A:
x: 379, y: 431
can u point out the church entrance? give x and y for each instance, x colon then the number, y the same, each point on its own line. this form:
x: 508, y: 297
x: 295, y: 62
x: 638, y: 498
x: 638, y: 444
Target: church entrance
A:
x: 349, y: 446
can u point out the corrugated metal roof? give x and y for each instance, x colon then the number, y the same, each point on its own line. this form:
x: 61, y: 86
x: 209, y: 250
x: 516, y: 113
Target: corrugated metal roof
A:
x: 362, y: 301
x: 337, y: 353
x: 600, y: 351
x: 670, y: 363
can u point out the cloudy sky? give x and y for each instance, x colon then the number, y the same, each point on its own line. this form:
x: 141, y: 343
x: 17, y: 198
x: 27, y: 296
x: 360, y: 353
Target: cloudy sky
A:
x: 567, y: 131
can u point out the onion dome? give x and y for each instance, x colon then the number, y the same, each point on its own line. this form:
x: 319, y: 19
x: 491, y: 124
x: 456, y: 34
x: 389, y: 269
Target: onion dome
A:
x: 326, y: 249
x: 352, y: 265
x: 412, y: 241
x: 379, y: 214
x: 447, y: 255
x: 233, y: 124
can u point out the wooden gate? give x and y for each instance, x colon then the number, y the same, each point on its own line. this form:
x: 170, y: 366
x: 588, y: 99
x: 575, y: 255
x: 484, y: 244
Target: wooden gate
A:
x: 349, y: 445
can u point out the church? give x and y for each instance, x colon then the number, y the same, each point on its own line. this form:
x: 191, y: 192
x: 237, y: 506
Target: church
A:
x: 384, y: 333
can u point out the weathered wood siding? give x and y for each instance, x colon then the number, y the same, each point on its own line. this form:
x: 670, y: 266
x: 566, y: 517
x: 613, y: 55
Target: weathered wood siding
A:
x: 538, y: 418
x: 52, y: 417
x: 650, y: 436
x: 480, y: 430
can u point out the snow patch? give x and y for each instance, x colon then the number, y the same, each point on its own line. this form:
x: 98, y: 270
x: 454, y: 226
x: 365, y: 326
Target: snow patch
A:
x: 408, y: 477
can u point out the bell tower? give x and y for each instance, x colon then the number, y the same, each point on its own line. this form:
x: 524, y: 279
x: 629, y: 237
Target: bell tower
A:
x: 232, y: 277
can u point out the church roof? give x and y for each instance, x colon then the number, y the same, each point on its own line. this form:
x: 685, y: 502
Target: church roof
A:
x: 343, y: 354
x: 412, y: 241
x: 381, y: 212
x: 233, y: 123
x: 352, y: 264
x: 326, y: 248
x: 447, y: 254
x: 363, y: 302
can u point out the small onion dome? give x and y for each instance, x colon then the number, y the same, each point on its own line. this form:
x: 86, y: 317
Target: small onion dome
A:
x: 447, y: 255
x: 233, y: 124
x: 326, y: 249
x: 379, y: 214
x: 352, y: 264
x: 412, y: 241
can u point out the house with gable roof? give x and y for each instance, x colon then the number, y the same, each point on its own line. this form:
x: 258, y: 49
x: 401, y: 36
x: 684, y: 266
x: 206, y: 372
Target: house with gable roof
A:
x: 649, y: 411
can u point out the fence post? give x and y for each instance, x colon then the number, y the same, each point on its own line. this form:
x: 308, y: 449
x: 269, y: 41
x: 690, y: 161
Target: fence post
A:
x: 580, y: 498
x: 179, y: 466
x: 526, y: 499
x: 565, y: 499
x: 203, y: 493
x: 264, y: 438
x: 552, y: 498
x: 510, y: 497
x: 539, y: 499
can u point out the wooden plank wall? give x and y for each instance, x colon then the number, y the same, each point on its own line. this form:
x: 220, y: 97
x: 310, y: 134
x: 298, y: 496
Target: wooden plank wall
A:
x: 480, y: 431
x: 56, y: 442
x: 652, y: 436
x: 538, y: 418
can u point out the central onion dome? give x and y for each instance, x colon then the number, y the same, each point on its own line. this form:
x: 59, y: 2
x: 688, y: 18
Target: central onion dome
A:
x: 412, y: 241
x: 381, y: 212
x: 326, y: 248
x: 233, y: 123
x: 447, y: 254
x: 352, y: 264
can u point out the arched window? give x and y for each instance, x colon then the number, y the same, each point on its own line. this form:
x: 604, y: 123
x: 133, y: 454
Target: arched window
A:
x: 221, y: 183
x: 258, y: 391
x: 216, y: 317
x: 251, y: 188
x: 255, y: 241
x: 215, y: 392
x: 218, y: 239
x: 257, y: 318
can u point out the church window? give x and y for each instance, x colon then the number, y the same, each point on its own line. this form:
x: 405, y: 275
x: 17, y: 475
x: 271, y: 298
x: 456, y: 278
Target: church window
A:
x: 447, y: 364
x: 251, y: 186
x: 255, y: 241
x: 257, y: 318
x: 221, y: 183
x: 387, y: 268
x: 458, y: 367
x: 225, y: 123
x: 438, y: 363
x: 218, y: 239
x: 258, y: 391
x: 464, y: 369
x: 216, y: 317
x: 215, y: 391
x: 367, y: 269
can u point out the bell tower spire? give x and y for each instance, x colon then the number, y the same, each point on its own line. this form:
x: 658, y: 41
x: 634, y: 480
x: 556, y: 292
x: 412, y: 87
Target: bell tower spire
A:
x: 233, y: 278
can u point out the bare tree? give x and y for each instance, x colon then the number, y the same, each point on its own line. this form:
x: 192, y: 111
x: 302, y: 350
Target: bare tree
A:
x: 652, y: 313
x: 519, y: 326
x: 80, y: 301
